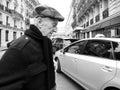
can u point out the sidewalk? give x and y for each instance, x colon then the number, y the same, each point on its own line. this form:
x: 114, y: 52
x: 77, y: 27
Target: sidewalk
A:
x: 1, y: 48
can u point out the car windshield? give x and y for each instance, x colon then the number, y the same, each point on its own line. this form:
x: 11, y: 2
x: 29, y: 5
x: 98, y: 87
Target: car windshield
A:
x: 59, y: 43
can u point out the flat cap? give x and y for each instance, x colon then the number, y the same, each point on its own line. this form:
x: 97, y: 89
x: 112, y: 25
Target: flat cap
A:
x: 46, y: 11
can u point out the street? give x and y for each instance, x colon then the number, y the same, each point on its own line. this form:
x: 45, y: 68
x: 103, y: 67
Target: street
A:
x: 65, y: 83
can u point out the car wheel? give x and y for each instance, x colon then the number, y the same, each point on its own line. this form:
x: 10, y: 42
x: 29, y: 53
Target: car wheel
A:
x: 114, y: 89
x: 58, y: 67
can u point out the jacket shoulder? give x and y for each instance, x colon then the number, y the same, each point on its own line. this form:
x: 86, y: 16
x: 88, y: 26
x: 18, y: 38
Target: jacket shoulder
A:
x: 20, y: 42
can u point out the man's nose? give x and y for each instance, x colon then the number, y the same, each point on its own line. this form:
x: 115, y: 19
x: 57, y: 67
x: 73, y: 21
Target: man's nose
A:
x: 55, y: 29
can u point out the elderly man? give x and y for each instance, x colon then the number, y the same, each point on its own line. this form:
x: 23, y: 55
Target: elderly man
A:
x: 28, y: 62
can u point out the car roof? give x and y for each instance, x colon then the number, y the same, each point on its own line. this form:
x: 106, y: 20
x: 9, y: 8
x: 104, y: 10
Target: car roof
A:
x: 70, y: 39
x: 64, y: 38
x: 108, y: 39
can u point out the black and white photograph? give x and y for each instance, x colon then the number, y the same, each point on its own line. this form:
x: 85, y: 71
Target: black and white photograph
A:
x: 59, y: 44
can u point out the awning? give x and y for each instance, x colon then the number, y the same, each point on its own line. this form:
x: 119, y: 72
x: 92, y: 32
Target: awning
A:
x: 97, y: 26
x: 78, y: 29
x: 115, y: 20
x: 92, y: 28
x: 110, y: 22
x: 105, y: 24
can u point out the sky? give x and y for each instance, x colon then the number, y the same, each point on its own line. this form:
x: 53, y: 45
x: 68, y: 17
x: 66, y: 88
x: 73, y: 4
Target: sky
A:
x: 63, y: 6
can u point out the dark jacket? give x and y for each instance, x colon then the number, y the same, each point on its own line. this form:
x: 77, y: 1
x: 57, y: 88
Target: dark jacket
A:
x: 28, y: 63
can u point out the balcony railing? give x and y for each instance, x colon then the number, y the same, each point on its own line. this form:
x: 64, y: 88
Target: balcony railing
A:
x: 7, y: 10
x: 86, y: 7
x: 97, y: 18
x: 84, y: 26
x: 105, y: 13
x: 1, y: 7
x: 16, y: 14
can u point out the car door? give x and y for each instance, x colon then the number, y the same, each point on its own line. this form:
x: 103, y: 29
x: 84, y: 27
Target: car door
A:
x: 96, y: 65
x: 68, y: 62
x: 70, y: 58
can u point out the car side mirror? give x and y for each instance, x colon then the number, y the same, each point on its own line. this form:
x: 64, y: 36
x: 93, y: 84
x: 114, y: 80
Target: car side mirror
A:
x: 63, y: 52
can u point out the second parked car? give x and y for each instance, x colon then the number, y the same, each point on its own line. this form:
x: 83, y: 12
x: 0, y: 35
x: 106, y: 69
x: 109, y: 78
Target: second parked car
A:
x: 59, y: 43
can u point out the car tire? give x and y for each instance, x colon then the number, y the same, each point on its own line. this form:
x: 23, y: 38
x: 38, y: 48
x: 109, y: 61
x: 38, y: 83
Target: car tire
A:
x: 58, y: 67
x: 112, y: 88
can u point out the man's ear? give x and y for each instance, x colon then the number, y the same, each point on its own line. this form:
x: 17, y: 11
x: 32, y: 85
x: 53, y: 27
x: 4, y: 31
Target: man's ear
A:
x: 31, y: 20
x: 39, y: 20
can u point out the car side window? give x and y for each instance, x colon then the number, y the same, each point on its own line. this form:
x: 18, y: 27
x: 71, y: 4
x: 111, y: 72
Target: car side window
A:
x: 76, y: 48
x: 99, y: 48
x: 116, y: 49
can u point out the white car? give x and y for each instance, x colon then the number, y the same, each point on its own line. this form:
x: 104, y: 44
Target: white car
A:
x: 93, y: 63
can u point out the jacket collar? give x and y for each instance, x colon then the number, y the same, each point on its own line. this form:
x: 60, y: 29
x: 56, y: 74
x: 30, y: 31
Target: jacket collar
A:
x: 34, y: 33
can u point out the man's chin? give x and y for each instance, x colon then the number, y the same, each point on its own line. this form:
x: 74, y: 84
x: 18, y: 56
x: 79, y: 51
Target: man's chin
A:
x: 49, y: 35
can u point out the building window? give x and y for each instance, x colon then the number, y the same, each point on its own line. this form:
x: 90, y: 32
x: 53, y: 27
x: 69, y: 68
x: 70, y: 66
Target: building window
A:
x: 7, y: 4
x: 105, y: 13
x: 21, y: 34
x: 15, y: 7
x: 6, y: 34
x: 21, y: 9
x: 15, y: 24
x: 105, y: 8
x: 117, y: 30
x: 97, y: 18
x: 21, y: 24
x: 88, y: 35
x: 7, y: 20
x: 1, y: 18
x: 87, y: 24
x: 91, y: 21
x: 1, y: 6
x: 14, y: 35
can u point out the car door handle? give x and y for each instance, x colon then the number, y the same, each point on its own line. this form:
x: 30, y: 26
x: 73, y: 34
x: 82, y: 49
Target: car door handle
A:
x: 60, y: 55
x: 106, y: 69
x: 74, y: 60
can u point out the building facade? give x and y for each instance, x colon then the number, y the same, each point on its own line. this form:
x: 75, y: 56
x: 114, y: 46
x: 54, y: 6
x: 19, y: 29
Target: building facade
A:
x: 69, y: 21
x: 29, y: 6
x: 97, y: 17
x: 13, y: 23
